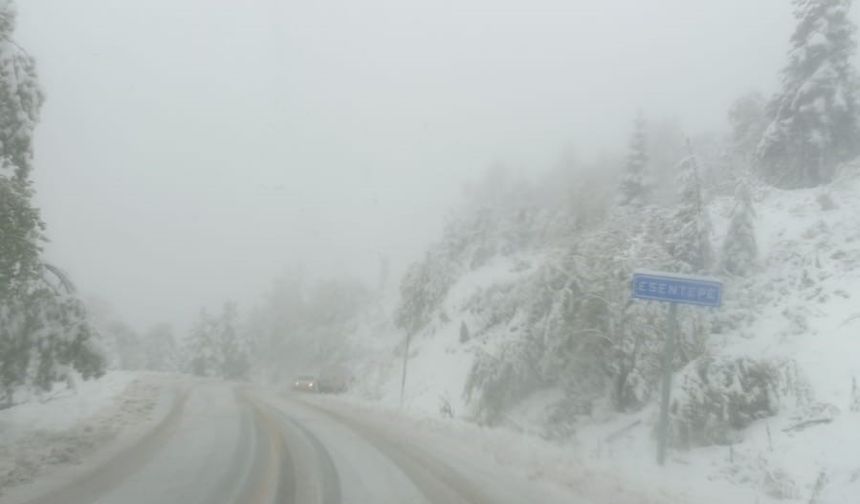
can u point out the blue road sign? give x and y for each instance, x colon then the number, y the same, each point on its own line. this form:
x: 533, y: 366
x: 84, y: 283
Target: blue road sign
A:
x: 671, y: 288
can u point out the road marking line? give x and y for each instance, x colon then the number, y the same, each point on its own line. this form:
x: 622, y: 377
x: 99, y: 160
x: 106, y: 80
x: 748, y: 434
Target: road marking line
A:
x: 267, y: 489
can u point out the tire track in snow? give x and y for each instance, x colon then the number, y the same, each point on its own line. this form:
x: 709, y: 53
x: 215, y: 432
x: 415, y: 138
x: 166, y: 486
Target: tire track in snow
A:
x: 437, y: 481
x: 274, y: 466
x: 307, y: 473
x: 330, y: 481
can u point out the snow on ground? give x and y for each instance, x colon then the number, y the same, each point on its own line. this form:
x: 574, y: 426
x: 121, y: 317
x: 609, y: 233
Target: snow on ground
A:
x: 493, y: 451
x: 805, y: 317
x: 63, y: 409
x: 807, y: 314
x: 802, y: 312
x: 439, y: 364
x: 69, y: 425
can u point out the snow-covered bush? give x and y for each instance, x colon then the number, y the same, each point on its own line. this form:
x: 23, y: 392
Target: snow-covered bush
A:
x: 498, y: 381
x: 768, y: 476
x: 562, y: 417
x: 717, y: 397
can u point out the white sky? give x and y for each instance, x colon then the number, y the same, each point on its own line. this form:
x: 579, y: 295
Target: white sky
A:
x: 191, y: 149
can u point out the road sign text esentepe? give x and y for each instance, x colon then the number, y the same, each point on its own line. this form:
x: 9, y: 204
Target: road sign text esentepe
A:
x: 677, y: 289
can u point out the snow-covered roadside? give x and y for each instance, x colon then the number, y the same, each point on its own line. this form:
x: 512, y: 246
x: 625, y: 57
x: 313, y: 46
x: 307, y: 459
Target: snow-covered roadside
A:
x: 38, y: 439
x: 616, y: 463
x: 796, y: 313
x: 494, y: 451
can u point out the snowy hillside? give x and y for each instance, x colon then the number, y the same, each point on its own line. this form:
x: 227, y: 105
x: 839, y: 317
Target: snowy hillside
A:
x: 440, y: 364
x: 778, y: 361
x: 803, y: 320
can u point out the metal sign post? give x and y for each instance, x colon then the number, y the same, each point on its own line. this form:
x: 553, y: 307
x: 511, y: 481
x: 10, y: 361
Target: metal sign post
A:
x: 674, y: 289
x: 668, y: 355
x: 405, y: 362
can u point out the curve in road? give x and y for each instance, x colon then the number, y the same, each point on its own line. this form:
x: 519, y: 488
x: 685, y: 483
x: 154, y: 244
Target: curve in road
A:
x: 228, y: 444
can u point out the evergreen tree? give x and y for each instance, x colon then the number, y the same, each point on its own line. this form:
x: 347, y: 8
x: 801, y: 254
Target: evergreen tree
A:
x: 130, y: 350
x: 215, y: 348
x: 234, y: 349
x: 634, y: 186
x: 271, y: 326
x: 160, y: 348
x: 739, y: 246
x: 688, y: 232
x: 813, y: 120
x: 202, y: 352
x: 748, y: 121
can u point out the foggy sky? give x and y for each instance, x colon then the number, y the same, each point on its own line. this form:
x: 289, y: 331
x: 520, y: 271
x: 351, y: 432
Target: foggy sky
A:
x: 192, y: 149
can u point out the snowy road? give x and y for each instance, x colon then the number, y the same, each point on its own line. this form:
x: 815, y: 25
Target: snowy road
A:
x: 227, y: 444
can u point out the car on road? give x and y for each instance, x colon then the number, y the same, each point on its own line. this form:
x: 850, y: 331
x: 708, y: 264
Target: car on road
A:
x: 306, y: 383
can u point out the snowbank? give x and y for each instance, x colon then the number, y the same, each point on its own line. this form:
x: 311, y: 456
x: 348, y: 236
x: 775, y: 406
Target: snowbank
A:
x: 69, y: 425
x: 533, y: 461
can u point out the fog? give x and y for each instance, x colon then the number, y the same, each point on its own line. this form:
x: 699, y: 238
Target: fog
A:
x: 190, y: 150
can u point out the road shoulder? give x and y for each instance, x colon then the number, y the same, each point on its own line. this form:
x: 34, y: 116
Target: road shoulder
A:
x: 42, y: 460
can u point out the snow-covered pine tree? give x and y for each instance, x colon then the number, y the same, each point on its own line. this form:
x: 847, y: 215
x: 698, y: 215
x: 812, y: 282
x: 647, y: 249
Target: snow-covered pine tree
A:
x: 634, y: 186
x: 813, y: 120
x: 202, y: 353
x: 129, y: 346
x: 739, y: 249
x: 748, y: 121
x: 216, y: 348
x: 688, y: 232
x: 234, y: 351
x: 160, y: 349
x: 272, y: 326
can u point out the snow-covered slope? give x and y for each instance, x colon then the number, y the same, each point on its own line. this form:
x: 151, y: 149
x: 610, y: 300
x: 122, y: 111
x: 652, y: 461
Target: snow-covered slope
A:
x: 439, y: 361
x: 797, y: 315
x: 805, y: 304
x: 801, y: 313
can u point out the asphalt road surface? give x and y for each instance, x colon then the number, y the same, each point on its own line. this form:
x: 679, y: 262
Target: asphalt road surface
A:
x: 223, y: 443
